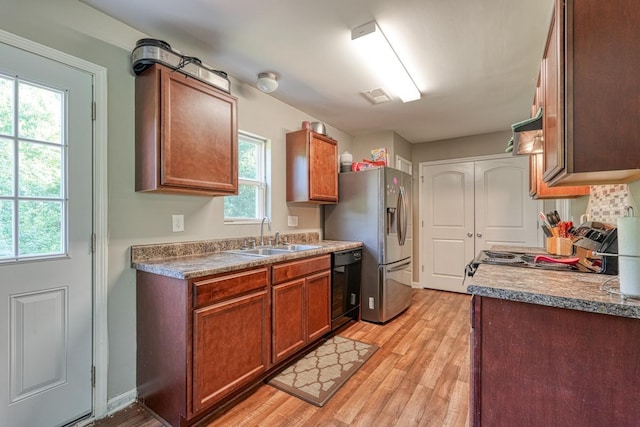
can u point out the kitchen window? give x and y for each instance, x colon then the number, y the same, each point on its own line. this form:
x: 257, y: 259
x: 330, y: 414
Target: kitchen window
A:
x: 250, y: 204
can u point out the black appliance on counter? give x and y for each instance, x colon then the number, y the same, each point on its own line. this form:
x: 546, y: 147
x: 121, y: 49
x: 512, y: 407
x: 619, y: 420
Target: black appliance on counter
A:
x: 345, y: 286
x: 592, y: 242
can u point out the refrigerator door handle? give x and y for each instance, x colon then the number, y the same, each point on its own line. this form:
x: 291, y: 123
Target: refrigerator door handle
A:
x: 402, y: 217
x: 398, y: 267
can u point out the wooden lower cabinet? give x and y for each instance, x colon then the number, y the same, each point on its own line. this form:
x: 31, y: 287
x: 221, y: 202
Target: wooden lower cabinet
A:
x: 546, y: 366
x: 301, y: 306
x: 230, y: 347
x: 201, y: 342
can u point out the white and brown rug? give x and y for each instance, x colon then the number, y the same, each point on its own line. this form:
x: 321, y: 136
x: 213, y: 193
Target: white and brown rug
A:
x: 319, y: 374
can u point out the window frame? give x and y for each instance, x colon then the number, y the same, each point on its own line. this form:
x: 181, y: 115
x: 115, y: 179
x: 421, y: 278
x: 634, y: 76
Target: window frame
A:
x: 261, y: 184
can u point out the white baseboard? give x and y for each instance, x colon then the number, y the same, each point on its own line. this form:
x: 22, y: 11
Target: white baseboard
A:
x: 121, y: 401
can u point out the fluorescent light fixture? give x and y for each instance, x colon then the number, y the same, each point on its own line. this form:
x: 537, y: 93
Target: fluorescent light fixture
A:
x: 376, y: 49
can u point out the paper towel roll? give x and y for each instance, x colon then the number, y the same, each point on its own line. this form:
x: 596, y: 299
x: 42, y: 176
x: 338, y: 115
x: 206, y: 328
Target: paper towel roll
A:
x: 629, y: 235
x: 629, y: 270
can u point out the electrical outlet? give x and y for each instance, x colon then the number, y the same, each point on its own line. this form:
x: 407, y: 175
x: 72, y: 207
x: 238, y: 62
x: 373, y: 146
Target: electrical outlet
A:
x: 292, y: 220
x: 177, y: 222
x: 371, y: 303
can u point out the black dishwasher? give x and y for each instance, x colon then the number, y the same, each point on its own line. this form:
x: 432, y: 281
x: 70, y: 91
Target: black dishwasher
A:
x: 345, y: 286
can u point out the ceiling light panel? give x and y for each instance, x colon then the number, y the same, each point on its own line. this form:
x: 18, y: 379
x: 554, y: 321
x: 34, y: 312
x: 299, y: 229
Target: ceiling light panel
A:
x: 375, y: 48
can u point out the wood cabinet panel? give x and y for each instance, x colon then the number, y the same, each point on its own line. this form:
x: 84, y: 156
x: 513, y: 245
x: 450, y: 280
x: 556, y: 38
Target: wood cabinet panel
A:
x: 290, y: 270
x: 597, y: 121
x: 225, y: 286
x: 312, y: 167
x: 289, y: 312
x: 552, y: 366
x: 230, y: 347
x: 186, y: 135
x: 318, y: 305
x: 540, y: 190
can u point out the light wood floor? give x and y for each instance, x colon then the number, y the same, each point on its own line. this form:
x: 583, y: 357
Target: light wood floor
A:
x: 418, y: 377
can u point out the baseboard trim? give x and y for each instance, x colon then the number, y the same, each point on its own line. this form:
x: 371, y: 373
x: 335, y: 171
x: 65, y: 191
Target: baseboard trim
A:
x: 121, y: 401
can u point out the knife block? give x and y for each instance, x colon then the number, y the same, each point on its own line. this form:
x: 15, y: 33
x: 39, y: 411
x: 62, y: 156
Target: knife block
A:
x: 559, y: 246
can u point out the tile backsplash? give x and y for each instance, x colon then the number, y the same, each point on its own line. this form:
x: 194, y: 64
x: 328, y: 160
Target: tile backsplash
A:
x: 609, y: 202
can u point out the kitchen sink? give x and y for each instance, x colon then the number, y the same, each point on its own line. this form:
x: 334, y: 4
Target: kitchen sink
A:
x: 296, y: 248
x: 273, y: 250
x: 264, y: 251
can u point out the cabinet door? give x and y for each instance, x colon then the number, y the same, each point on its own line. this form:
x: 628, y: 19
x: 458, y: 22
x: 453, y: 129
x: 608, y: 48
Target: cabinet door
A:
x: 318, y: 289
x: 540, y: 189
x: 553, y: 99
x: 199, y: 138
x: 186, y: 135
x: 323, y: 169
x: 288, y: 306
x: 230, y: 347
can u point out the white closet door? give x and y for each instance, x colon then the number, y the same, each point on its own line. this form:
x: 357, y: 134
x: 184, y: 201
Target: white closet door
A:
x: 448, y: 224
x: 505, y: 213
x: 469, y: 206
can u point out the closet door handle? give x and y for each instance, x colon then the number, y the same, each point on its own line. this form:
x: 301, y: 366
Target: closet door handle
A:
x: 469, y: 234
x: 479, y: 235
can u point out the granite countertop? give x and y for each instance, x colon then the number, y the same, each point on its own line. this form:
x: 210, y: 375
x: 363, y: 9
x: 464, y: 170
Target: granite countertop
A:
x: 197, y: 259
x: 577, y: 291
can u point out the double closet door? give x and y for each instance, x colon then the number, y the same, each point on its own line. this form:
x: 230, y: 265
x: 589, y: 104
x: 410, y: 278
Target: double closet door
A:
x: 469, y: 206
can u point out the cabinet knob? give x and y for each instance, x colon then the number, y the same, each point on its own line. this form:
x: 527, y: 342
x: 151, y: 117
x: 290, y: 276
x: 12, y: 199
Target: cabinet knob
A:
x: 479, y: 235
x: 469, y: 234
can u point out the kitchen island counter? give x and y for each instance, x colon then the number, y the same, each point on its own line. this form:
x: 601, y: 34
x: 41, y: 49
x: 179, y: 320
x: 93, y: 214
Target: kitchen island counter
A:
x: 577, y: 291
x: 552, y: 348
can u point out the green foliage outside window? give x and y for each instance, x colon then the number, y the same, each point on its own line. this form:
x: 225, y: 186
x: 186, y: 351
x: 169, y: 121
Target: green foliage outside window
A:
x: 250, y: 201
x: 32, y: 148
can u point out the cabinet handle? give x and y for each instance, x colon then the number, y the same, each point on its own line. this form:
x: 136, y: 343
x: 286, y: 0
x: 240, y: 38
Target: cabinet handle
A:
x: 469, y: 234
x: 479, y: 235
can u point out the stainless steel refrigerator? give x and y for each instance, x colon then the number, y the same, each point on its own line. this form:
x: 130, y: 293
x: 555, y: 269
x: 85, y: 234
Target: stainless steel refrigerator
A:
x: 374, y: 207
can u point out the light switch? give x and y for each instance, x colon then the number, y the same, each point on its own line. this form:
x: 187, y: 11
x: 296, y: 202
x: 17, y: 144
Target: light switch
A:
x: 292, y: 220
x: 177, y: 223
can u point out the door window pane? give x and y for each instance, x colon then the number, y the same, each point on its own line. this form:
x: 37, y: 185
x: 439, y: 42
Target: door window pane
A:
x: 8, y: 167
x: 40, y: 228
x: 40, y: 113
x: 33, y: 194
x: 6, y: 105
x: 6, y: 229
x: 40, y: 171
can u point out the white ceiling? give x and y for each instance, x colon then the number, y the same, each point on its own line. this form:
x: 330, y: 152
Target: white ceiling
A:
x: 475, y: 61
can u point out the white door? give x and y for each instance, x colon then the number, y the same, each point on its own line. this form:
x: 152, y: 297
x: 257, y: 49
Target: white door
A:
x: 505, y: 213
x: 470, y: 206
x: 448, y: 224
x: 45, y: 241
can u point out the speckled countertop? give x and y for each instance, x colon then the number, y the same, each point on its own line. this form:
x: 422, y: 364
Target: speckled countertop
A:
x: 196, y: 259
x: 577, y: 291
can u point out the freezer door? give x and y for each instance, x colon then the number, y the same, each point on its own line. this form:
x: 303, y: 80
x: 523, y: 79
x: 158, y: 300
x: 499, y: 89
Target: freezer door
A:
x: 396, y: 296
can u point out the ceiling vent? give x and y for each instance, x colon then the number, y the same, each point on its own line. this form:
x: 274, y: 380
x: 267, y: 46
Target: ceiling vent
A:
x: 377, y: 96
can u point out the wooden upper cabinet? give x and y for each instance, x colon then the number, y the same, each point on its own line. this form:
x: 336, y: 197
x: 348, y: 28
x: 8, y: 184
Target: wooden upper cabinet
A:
x: 312, y: 167
x: 540, y: 190
x: 186, y: 135
x: 592, y: 131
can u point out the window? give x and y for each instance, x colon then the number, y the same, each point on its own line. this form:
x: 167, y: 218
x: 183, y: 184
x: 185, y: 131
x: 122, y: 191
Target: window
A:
x: 33, y: 201
x: 251, y: 201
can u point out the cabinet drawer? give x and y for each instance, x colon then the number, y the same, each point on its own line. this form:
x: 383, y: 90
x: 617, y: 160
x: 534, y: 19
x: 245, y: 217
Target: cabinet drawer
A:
x: 291, y: 270
x: 228, y: 286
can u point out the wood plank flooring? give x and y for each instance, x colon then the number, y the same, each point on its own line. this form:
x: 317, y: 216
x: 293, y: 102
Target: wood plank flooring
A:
x: 418, y: 377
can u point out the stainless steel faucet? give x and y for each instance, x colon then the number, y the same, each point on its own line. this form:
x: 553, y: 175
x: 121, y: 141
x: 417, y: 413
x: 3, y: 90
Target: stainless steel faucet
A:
x: 262, y: 229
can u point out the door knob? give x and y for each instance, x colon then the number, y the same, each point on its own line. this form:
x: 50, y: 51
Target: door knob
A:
x: 469, y: 234
x: 479, y: 235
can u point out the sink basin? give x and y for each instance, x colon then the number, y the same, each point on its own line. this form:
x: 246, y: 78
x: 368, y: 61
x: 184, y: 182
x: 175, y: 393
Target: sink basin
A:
x: 261, y: 251
x: 271, y: 250
x: 296, y: 248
